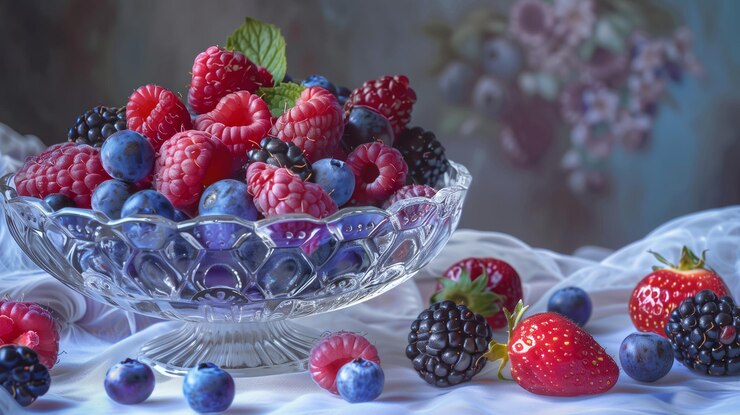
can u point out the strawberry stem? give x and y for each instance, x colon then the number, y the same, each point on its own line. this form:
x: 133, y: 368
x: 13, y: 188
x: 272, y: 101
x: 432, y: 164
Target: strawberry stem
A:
x: 688, y: 260
x: 500, y: 351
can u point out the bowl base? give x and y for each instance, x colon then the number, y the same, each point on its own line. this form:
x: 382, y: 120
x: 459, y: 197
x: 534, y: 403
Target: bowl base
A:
x: 243, y: 349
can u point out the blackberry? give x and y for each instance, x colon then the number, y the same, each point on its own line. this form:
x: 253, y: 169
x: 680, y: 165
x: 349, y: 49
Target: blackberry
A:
x: 279, y: 153
x: 424, y: 155
x: 447, y: 343
x: 22, y: 375
x: 703, y: 332
x: 94, y: 126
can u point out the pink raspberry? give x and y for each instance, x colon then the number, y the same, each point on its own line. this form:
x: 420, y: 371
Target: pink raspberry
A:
x: 218, y: 72
x: 240, y: 120
x: 390, y: 95
x: 379, y: 171
x: 187, y: 163
x: 156, y: 113
x: 30, y: 325
x: 333, y: 352
x: 70, y: 169
x: 315, y: 124
x: 278, y: 191
x: 409, y: 191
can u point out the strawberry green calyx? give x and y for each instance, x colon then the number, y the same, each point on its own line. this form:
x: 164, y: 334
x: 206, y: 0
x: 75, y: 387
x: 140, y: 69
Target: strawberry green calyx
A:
x: 687, y: 262
x: 474, y: 294
x: 500, y: 351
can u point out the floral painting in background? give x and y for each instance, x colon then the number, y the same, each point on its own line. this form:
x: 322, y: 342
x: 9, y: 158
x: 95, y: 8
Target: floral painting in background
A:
x: 594, y: 73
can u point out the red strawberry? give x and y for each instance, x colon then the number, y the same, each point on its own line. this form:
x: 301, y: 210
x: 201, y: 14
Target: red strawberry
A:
x: 661, y: 291
x: 551, y: 355
x: 502, y: 289
x: 30, y: 325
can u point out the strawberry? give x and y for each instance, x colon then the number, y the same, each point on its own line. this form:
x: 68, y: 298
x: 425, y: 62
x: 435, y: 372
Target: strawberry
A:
x: 500, y: 288
x: 661, y: 291
x: 550, y: 355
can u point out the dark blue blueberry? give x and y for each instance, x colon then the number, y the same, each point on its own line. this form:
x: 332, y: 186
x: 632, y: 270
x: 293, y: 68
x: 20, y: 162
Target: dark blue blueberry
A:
x: 646, y: 357
x: 21, y: 374
x: 287, y: 78
x: 360, y: 381
x: 336, y: 178
x: 147, y: 202
x: 343, y: 94
x: 208, y: 388
x: 58, y: 201
x: 319, y: 80
x: 572, y: 302
x: 228, y: 197
x: 129, y: 382
x: 365, y: 125
x: 110, y: 196
x: 127, y: 155
x: 502, y: 58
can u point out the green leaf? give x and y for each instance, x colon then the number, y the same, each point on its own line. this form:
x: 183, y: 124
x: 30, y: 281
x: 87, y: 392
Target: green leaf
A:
x: 263, y: 44
x: 280, y: 97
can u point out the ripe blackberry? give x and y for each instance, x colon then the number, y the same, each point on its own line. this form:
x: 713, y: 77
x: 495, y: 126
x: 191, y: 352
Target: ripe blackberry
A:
x: 22, y: 375
x: 94, y: 126
x: 278, y: 153
x: 424, y: 155
x: 447, y: 342
x: 703, y: 332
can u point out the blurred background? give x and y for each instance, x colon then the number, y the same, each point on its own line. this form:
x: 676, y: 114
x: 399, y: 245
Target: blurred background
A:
x: 582, y: 123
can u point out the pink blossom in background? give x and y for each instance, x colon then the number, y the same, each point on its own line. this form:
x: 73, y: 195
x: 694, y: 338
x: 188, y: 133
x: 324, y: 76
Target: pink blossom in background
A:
x: 531, y: 21
x: 601, y: 105
x: 574, y: 20
x: 645, y: 88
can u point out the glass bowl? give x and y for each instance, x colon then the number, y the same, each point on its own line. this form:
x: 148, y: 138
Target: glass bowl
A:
x: 236, y: 284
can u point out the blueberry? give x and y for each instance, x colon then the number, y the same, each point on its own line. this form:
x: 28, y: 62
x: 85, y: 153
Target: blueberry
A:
x: 646, y: 357
x: 129, y: 382
x: 110, y: 196
x: 502, y: 58
x: 228, y: 197
x: 343, y: 94
x: 336, y: 178
x: 147, y: 202
x: 127, y: 155
x: 319, y: 80
x: 365, y: 125
x: 208, y: 388
x: 360, y: 381
x: 572, y: 302
x: 58, y: 201
x: 456, y: 82
x: 180, y: 216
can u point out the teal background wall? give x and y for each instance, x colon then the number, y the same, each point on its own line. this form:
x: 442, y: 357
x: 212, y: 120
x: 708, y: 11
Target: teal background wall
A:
x: 60, y: 58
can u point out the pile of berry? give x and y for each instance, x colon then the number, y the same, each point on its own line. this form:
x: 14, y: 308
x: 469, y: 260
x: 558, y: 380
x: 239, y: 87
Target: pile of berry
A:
x: 249, y: 142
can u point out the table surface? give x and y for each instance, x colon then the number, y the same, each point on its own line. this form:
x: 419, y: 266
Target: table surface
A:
x: 95, y: 336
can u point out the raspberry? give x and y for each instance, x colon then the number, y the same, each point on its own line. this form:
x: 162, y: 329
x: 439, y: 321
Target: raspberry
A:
x: 70, y: 169
x: 379, y: 171
x: 315, y: 124
x: 217, y: 73
x: 156, y: 113
x: 333, y: 352
x: 187, y: 163
x: 390, y: 95
x: 240, y: 120
x: 278, y: 191
x: 30, y: 325
x: 412, y: 190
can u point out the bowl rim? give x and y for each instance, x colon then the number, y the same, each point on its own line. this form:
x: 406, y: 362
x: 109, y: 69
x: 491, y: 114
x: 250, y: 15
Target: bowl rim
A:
x: 460, y: 183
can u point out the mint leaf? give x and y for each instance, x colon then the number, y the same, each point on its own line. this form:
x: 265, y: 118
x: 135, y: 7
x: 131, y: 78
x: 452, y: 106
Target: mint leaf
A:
x: 280, y: 97
x: 263, y: 44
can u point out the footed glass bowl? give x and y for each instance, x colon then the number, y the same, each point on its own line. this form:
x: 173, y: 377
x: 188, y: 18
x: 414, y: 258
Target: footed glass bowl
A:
x: 236, y: 284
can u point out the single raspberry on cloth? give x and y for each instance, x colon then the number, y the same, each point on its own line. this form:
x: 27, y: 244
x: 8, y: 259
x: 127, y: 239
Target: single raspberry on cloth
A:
x: 315, y: 124
x: 333, y: 352
x: 70, y: 169
x: 156, y: 113
x: 390, y: 95
x: 379, y: 171
x: 32, y: 326
x: 278, y: 191
x: 240, y: 120
x: 218, y: 72
x: 187, y: 163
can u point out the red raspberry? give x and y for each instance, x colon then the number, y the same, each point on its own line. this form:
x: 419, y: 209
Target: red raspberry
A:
x: 218, y: 72
x: 187, y: 163
x: 70, y: 169
x: 412, y: 190
x: 390, y: 95
x: 379, y: 171
x: 278, y: 191
x: 156, y: 113
x: 315, y: 124
x: 333, y: 352
x: 240, y: 120
x: 30, y: 325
